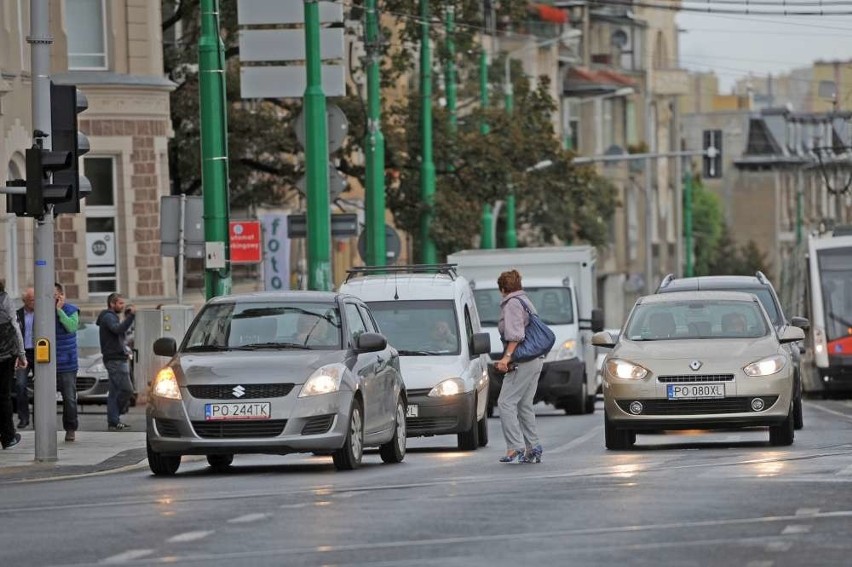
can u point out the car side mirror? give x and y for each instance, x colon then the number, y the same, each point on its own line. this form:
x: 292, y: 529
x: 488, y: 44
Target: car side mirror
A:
x: 370, y: 342
x: 801, y: 322
x: 792, y: 334
x: 597, y: 320
x: 480, y: 343
x: 603, y: 339
x: 165, y: 346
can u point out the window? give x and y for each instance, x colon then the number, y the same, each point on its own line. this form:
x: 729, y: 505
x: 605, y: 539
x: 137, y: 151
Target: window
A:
x: 101, y: 257
x: 420, y: 327
x: 86, y: 31
x: 356, y: 324
x: 99, y: 171
x: 368, y: 320
x: 571, y: 124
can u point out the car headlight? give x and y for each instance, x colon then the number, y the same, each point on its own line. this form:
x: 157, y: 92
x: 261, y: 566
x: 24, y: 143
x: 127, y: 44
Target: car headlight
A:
x: 97, y: 368
x: 324, y: 380
x: 448, y: 387
x: 767, y: 366
x: 165, y: 384
x: 563, y: 351
x: 625, y: 370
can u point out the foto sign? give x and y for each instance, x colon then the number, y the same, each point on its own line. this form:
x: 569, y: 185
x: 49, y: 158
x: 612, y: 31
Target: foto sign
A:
x: 246, y: 245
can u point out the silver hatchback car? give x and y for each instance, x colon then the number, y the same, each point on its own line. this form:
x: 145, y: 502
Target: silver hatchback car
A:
x: 277, y: 373
x: 697, y: 360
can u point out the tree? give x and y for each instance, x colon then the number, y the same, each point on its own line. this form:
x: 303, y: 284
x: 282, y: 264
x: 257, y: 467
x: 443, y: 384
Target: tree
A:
x: 707, y: 224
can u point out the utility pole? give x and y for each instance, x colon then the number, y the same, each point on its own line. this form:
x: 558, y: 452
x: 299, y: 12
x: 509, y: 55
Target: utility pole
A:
x: 374, y: 145
x: 649, y: 191
x: 486, y: 240
x: 427, y: 164
x: 450, y: 72
x: 511, y: 235
x: 800, y: 206
x: 214, y: 151
x: 687, y: 222
x: 316, y: 158
x: 44, y: 327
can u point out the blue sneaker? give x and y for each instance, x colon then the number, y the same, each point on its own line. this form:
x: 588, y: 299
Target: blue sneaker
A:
x: 534, y: 455
x: 516, y: 455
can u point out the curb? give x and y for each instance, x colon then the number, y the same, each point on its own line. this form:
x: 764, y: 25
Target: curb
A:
x: 48, y: 471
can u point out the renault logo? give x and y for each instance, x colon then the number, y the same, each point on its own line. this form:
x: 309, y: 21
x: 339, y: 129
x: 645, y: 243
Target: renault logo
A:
x: 238, y: 392
x: 695, y: 364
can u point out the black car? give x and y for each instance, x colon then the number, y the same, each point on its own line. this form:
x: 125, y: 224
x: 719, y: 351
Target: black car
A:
x: 760, y: 286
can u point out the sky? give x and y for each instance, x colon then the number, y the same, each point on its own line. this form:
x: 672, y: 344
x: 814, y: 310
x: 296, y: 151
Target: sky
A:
x: 733, y: 45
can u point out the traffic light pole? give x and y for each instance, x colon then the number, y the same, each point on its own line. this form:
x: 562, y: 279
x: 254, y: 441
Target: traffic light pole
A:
x: 687, y: 224
x: 486, y: 240
x: 427, y: 165
x: 374, y: 145
x: 44, y: 329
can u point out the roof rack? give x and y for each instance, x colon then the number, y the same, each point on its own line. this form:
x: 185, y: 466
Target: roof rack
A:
x: 666, y: 281
x: 760, y: 277
x: 445, y: 269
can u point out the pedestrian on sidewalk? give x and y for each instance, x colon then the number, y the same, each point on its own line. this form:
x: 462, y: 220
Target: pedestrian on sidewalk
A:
x: 113, y: 337
x: 12, y: 357
x: 520, y: 379
x: 67, y: 322
x: 26, y: 322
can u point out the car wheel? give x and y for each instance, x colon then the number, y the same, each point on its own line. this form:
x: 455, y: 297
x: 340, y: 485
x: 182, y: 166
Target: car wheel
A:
x: 469, y: 440
x: 577, y: 404
x: 617, y: 439
x: 483, y: 431
x: 782, y: 435
x: 162, y: 465
x: 220, y: 462
x: 394, y: 450
x: 798, y: 418
x: 348, y: 457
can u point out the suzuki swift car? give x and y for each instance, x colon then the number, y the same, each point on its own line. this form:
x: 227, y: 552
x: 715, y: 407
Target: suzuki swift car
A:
x: 698, y: 360
x: 277, y: 373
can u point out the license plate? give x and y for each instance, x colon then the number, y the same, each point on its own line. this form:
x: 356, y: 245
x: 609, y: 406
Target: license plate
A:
x: 243, y: 410
x: 695, y: 391
x: 413, y: 411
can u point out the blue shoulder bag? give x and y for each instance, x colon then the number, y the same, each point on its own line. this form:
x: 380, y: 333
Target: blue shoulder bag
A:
x: 538, y: 338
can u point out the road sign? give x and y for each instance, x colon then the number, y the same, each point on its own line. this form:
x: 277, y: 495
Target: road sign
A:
x: 338, y: 127
x: 393, y: 245
x: 288, y: 45
x: 246, y: 244
x: 337, y: 183
x: 265, y: 12
x: 193, y: 226
x: 342, y: 224
x: 288, y: 82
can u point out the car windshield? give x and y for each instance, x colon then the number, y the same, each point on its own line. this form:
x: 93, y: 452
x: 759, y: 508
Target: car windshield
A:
x: 419, y: 328
x: 265, y: 325
x: 88, y: 339
x: 553, y: 304
x: 696, y: 319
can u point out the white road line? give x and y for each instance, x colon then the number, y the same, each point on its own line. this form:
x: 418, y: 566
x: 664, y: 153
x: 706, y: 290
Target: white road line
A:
x: 189, y: 536
x: 796, y: 529
x: 578, y: 441
x: 831, y: 411
x: 128, y: 556
x: 779, y: 546
x: 760, y: 564
x: 807, y: 511
x: 293, y: 506
x: 248, y: 518
x: 845, y: 472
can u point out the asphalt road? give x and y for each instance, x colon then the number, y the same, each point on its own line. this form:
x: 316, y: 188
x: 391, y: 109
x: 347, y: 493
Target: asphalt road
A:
x: 691, y: 498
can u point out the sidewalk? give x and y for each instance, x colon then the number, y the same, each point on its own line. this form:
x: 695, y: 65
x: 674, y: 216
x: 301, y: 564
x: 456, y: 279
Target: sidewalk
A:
x: 95, y: 450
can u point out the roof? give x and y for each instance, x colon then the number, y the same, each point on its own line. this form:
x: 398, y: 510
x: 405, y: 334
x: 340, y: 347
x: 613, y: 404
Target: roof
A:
x: 297, y: 296
x: 388, y: 287
x: 583, y: 81
x: 697, y: 295
x: 705, y: 283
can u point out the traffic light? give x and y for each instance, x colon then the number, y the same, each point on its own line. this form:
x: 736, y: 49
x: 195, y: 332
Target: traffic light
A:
x: 66, y: 102
x: 712, y: 154
x: 42, y: 165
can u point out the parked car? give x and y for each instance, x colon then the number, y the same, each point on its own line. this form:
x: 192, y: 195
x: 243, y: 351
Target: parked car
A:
x: 429, y: 314
x: 698, y: 360
x: 760, y: 286
x: 277, y: 373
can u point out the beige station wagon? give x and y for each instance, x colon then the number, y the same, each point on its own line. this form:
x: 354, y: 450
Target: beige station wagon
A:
x: 697, y: 360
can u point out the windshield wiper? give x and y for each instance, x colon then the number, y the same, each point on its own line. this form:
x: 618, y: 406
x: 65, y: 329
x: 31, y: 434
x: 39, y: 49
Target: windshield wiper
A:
x: 420, y: 352
x: 487, y: 323
x: 205, y: 348
x: 274, y: 344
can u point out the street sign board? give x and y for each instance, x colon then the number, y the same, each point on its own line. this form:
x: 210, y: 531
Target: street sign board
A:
x: 264, y: 12
x: 342, y: 224
x: 287, y: 45
x: 393, y: 245
x: 289, y: 81
x: 337, y: 183
x: 338, y: 127
x: 246, y: 244
x: 193, y: 226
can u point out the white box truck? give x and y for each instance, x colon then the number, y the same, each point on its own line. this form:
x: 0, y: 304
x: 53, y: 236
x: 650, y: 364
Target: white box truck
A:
x: 560, y: 281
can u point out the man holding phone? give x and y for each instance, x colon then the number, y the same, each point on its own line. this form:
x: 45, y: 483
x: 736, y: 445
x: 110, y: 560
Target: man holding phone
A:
x: 67, y: 322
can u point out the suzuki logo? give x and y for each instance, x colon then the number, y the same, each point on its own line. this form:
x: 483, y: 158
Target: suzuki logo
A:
x: 695, y: 364
x: 239, y: 392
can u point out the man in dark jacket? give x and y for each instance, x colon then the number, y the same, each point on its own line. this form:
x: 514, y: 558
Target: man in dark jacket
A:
x: 113, y: 336
x: 67, y: 322
x: 26, y: 321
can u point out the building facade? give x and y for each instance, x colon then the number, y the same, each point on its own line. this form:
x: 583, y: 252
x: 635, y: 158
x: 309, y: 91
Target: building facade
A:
x: 112, y: 50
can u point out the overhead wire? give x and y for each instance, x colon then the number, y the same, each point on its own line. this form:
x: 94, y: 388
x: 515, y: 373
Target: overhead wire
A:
x: 709, y: 9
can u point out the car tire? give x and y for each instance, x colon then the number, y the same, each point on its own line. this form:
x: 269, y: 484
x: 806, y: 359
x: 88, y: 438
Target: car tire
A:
x: 348, y: 457
x: 469, y: 440
x: 162, y: 465
x: 617, y: 439
x: 394, y: 450
x: 483, y: 431
x: 798, y: 418
x: 783, y: 435
x: 577, y: 404
x: 220, y: 462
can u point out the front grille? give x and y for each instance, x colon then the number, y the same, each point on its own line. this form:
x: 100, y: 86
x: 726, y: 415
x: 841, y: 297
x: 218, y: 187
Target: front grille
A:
x: 414, y: 424
x: 698, y: 407
x: 318, y: 425
x: 236, y: 429
x: 85, y: 383
x: 692, y: 378
x: 251, y: 391
x: 417, y: 391
x: 167, y: 427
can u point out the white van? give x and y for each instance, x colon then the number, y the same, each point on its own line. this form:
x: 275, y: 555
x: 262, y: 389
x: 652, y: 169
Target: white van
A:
x: 429, y: 315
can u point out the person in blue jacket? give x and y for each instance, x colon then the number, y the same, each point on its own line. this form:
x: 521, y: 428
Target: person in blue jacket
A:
x: 67, y: 322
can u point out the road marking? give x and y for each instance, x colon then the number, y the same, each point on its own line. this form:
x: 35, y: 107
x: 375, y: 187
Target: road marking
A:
x: 128, y: 556
x: 796, y: 529
x: 845, y: 416
x: 779, y: 546
x: 578, y: 441
x: 189, y: 536
x: 807, y: 511
x: 293, y: 506
x: 247, y: 518
x: 760, y: 564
